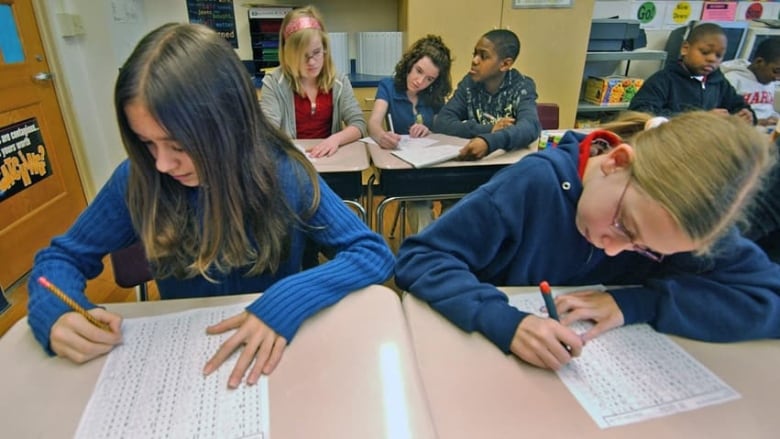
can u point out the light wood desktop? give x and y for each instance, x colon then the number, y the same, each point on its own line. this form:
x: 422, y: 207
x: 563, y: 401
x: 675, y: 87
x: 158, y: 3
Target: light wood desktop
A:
x: 399, y: 181
x: 474, y: 390
x: 329, y: 384
x: 343, y: 171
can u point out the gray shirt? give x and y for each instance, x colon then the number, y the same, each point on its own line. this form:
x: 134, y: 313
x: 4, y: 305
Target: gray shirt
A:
x: 278, y: 104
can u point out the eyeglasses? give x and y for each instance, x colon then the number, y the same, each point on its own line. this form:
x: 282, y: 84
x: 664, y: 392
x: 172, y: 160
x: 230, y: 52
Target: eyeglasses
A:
x: 623, y: 232
x: 316, y: 55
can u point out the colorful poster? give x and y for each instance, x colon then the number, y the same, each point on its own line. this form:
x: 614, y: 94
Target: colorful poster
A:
x: 23, y: 159
x: 649, y: 13
x: 751, y: 10
x: 216, y: 14
x: 719, y: 11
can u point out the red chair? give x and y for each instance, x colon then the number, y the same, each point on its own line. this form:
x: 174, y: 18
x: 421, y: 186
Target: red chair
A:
x: 548, y: 115
x: 131, y: 269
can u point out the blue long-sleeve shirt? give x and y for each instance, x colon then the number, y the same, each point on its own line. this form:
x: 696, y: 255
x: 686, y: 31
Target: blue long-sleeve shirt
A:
x: 472, y: 112
x: 400, y: 107
x: 519, y: 229
x: 290, y: 295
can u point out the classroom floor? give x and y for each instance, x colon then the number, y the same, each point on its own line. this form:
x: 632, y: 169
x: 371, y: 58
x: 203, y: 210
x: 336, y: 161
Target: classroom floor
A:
x: 103, y: 289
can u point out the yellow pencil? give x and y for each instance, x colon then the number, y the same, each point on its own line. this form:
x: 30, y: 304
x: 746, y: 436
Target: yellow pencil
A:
x: 71, y: 303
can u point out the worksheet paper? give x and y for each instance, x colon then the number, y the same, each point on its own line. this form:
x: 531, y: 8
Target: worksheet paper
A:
x: 632, y: 373
x: 407, y: 142
x: 152, y: 385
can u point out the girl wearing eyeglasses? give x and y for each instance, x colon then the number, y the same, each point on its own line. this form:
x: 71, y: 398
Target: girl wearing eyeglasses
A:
x: 305, y: 96
x: 656, y: 211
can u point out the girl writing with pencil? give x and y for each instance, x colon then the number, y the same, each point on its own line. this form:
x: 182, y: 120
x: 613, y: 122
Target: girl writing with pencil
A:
x: 410, y: 100
x: 655, y: 212
x: 222, y: 202
x: 305, y: 96
x: 414, y: 94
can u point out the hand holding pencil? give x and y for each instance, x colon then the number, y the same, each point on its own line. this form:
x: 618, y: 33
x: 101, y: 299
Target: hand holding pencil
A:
x: 82, y: 335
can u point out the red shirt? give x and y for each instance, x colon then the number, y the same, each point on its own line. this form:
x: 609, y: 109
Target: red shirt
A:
x: 313, y: 121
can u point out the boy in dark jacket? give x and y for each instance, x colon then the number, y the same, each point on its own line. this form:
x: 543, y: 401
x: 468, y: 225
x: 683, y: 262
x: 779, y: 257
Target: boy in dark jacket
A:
x: 494, y: 105
x: 695, y: 82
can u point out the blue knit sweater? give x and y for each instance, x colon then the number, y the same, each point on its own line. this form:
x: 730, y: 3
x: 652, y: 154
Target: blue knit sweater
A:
x: 519, y: 229
x: 290, y: 295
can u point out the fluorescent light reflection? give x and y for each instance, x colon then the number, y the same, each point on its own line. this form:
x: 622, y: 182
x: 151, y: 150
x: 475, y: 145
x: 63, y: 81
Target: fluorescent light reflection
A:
x: 396, y: 414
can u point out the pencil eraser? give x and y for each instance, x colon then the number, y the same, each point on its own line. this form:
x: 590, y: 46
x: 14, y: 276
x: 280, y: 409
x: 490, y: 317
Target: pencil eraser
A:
x: 43, y: 281
x: 545, y: 287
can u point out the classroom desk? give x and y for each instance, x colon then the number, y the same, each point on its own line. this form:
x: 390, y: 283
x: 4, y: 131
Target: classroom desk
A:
x: 474, y: 390
x: 399, y: 181
x: 331, y: 382
x: 343, y: 171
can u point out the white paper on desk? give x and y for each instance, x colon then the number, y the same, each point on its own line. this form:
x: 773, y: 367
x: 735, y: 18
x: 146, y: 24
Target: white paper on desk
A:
x: 152, y: 385
x: 302, y: 149
x: 427, y: 156
x: 407, y: 141
x: 633, y: 373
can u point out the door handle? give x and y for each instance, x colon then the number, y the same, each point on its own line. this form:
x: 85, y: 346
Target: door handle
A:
x: 42, y: 76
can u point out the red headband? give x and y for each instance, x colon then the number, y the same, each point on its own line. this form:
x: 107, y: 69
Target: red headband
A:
x: 301, y: 23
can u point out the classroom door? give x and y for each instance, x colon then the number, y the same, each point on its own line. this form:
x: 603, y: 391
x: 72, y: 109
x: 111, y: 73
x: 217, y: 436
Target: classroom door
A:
x: 40, y: 189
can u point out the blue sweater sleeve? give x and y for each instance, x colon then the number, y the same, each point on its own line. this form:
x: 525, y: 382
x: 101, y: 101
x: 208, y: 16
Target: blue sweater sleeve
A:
x: 77, y: 255
x: 451, y: 263
x: 733, y: 296
x: 362, y: 258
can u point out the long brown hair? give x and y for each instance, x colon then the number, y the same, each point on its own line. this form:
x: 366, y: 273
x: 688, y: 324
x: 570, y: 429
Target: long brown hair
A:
x: 193, y: 84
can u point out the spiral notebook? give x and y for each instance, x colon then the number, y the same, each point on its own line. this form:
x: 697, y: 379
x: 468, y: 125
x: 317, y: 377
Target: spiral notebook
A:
x: 427, y: 156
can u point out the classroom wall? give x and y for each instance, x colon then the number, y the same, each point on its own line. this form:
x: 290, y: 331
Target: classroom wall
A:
x: 85, y: 66
x: 553, y: 41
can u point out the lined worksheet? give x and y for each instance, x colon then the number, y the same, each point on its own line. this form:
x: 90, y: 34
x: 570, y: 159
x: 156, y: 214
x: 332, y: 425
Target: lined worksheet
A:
x: 633, y: 373
x: 152, y: 386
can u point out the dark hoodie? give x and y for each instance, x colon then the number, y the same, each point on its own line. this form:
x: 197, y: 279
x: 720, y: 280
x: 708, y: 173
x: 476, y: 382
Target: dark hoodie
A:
x: 519, y: 229
x: 673, y: 90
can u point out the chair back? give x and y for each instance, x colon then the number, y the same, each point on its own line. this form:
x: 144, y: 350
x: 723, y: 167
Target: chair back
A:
x: 131, y: 269
x: 548, y: 115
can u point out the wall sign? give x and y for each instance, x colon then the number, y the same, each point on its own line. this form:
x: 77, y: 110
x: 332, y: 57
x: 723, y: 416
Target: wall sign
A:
x: 216, y: 14
x: 23, y: 160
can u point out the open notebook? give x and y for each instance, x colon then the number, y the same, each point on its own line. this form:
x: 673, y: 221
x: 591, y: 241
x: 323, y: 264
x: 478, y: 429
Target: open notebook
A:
x: 428, y: 155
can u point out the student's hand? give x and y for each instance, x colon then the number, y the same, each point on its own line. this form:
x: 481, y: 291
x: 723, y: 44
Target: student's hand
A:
x: 503, y: 123
x: 418, y: 130
x: 768, y: 122
x: 326, y: 148
x: 720, y: 111
x: 389, y: 140
x: 745, y: 115
x: 474, y: 150
x: 597, y: 306
x: 260, y: 344
x: 540, y: 341
x: 75, y: 338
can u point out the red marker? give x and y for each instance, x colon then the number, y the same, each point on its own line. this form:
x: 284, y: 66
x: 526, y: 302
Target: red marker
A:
x: 549, y: 303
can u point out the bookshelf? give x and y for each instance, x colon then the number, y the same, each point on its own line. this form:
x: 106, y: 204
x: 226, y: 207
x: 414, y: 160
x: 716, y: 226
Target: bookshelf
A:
x: 264, y: 24
x: 584, y: 107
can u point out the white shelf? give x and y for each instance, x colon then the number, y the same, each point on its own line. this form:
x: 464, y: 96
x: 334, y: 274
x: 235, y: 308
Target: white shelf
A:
x: 634, y: 55
x: 587, y: 107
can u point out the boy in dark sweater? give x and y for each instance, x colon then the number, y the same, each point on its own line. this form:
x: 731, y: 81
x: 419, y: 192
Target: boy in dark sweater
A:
x: 695, y: 82
x: 494, y: 105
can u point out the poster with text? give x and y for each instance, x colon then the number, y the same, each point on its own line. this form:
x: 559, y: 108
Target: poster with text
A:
x: 649, y: 13
x: 216, y: 14
x: 23, y: 158
x: 681, y: 13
